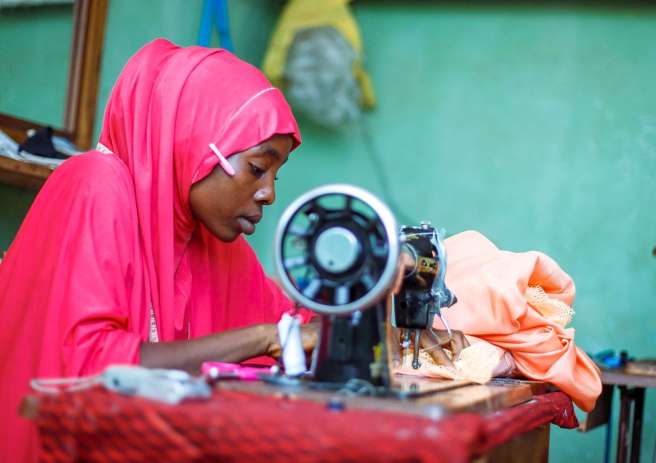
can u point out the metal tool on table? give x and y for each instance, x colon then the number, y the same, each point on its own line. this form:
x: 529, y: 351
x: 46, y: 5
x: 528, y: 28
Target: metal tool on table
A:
x: 336, y: 253
x: 424, y: 292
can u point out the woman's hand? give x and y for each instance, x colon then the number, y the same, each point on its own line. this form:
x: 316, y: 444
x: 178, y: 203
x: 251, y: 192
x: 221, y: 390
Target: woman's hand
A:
x: 233, y: 346
x: 435, y: 341
x: 405, y: 262
x: 309, y: 338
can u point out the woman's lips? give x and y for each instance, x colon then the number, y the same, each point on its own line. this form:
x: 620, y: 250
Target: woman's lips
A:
x: 247, y: 227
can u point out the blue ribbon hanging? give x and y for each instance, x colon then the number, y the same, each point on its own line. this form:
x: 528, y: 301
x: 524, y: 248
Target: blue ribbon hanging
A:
x: 215, y: 14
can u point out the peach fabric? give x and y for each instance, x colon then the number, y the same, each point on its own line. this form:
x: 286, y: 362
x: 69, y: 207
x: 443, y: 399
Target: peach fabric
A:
x: 478, y: 363
x: 490, y: 285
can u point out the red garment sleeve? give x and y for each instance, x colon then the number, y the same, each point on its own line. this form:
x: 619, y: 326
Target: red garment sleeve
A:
x: 230, y: 288
x: 72, y: 274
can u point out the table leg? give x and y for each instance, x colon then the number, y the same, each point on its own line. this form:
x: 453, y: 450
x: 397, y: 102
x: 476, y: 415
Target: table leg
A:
x: 609, y: 432
x: 625, y: 411
x: 636, y: 429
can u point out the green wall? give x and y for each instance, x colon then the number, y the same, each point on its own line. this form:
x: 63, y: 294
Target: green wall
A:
x: 42, y: 71
x: 534, y: 124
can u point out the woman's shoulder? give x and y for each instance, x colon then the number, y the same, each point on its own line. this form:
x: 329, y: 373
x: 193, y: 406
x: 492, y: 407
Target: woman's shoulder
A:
x: 95, y: 166
x: 90, y: 181
x: 93, y: 172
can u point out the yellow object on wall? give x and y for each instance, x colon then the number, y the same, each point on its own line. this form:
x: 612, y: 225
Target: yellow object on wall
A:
x: 299, y: 15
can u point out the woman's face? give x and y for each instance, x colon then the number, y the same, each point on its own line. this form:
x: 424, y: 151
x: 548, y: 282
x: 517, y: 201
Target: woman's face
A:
x: 229, y: 206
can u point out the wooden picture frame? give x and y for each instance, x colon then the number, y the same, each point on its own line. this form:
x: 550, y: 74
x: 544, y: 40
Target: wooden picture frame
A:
x: 89, y: 20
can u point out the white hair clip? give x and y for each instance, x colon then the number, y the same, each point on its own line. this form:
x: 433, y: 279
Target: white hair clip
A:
x: 223, y: 161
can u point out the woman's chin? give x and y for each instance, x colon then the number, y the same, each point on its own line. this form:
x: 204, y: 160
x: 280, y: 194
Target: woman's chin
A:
x: 230, y: 237
x: 225, y: 234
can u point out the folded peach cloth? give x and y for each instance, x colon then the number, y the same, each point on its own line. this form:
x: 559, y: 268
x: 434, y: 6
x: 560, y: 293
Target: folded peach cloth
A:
x: 477, y: 363
x: 493, y: 305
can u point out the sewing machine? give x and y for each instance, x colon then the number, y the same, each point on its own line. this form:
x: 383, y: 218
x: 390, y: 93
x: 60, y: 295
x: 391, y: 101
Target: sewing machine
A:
x: 337, y: 251
x: 424, y: 291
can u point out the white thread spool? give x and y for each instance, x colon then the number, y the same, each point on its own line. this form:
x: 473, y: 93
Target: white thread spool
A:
x: 293, y: 355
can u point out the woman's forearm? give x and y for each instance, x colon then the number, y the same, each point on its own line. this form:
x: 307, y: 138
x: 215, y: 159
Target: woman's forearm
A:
x: 229, y: 346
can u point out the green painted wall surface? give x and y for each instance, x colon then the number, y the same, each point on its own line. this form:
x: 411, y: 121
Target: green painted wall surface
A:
x: 534, y: 124
x: 34, y: 51
x: 14, y: 204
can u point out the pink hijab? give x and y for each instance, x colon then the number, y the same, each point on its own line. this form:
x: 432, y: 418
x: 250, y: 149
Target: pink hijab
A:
x: 167, y: 105
x: 109, y: 255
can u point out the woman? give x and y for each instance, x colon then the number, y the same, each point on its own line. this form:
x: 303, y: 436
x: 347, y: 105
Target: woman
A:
x: 132, y: 253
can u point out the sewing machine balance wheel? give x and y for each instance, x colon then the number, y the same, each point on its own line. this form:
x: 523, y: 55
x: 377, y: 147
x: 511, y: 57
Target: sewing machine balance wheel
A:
x: 336, y: 249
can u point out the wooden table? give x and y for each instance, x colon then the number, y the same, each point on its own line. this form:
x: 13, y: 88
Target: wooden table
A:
x: 632, y: 401
x: 23, y: 174
x: 457, y: 402
x: 451, y: 397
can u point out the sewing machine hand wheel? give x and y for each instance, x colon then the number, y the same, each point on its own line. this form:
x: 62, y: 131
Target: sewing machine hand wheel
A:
x: 336, y: 249
x: 336, y: 253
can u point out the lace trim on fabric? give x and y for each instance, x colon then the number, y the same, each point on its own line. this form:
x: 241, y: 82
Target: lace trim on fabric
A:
x: 550, y: 308
x: 152, y: 334
x: 477, y: 363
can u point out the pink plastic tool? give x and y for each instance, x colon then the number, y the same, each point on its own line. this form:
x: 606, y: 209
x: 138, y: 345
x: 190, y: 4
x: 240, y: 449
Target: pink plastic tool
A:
x: 222, y: 370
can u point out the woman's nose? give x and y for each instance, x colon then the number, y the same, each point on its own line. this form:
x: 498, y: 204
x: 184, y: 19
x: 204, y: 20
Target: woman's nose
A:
x: 266, y: 195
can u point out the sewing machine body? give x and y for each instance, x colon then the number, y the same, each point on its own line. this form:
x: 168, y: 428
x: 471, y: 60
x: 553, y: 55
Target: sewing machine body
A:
x: 351, y: 347
x: 424, y: 291
x: 337, y: 252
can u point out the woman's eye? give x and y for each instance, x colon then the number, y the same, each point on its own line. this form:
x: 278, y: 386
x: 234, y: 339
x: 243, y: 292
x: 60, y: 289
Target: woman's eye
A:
x: 256, y: 171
